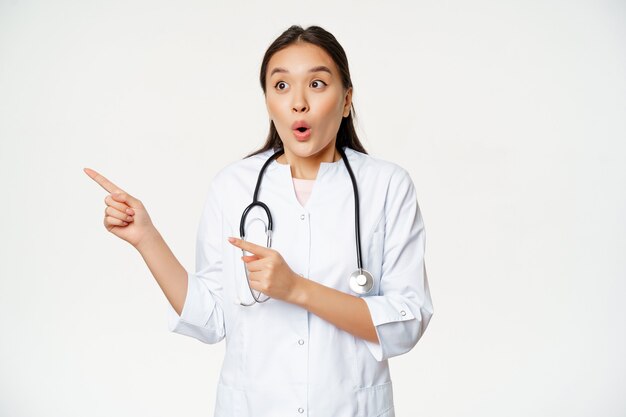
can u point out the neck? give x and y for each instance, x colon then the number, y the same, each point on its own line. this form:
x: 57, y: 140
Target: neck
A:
x: 306, y: 168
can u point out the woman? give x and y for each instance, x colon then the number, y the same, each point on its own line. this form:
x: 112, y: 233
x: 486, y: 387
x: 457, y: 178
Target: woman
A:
x: 310, y: 321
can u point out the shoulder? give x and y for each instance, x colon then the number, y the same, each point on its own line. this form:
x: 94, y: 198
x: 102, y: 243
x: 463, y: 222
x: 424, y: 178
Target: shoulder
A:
x: 241, y: 169
x: 378, y: 169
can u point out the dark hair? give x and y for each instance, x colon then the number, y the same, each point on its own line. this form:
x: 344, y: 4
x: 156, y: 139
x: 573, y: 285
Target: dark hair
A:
x: 346, y: 135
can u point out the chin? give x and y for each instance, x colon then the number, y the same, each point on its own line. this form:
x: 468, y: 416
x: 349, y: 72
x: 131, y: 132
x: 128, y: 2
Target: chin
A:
x: 303, y: 150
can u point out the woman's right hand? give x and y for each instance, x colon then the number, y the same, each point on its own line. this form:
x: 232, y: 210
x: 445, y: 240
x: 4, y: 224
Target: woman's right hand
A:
x: 124, y: 215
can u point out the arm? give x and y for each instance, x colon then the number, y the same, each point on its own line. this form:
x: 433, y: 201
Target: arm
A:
x: 201, y: 315
x: 403, y: 307
x: 269, y: 273
x: 166, y: 269
x: 195, y: 299
x: 127, y: 218
x: 345, y: 311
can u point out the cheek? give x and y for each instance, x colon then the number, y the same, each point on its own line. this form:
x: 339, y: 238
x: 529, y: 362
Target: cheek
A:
x: 332, y: 110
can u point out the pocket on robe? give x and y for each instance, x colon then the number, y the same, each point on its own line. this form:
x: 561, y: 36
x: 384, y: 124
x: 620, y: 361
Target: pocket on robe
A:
x: 229, y: 402
x: 375, y: 401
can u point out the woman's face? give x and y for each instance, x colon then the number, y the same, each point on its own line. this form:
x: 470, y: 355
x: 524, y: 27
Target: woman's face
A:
x: 304, y: 89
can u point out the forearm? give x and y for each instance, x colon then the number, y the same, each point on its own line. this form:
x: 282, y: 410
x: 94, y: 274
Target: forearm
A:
x: 345, y: 311
x: 168, y: 272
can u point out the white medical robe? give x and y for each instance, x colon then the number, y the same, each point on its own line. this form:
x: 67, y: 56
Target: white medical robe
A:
x: 280, y: 360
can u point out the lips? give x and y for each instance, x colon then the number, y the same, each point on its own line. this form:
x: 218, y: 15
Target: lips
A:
x: 300, y: 124
x: 301, y: 130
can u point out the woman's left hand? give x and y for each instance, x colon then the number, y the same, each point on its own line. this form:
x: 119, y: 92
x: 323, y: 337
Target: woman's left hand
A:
x: 268, y: 272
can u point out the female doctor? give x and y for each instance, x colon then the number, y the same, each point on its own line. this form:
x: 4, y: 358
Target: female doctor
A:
x: 322, y: 279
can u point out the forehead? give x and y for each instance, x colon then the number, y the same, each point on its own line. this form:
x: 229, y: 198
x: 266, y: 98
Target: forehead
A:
x: 300, y: 57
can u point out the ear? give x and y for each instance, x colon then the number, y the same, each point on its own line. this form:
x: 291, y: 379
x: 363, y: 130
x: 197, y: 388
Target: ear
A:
x: 348, y: 102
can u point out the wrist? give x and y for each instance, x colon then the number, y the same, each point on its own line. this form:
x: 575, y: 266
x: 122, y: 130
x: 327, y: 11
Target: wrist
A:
x: 148, y: 240
x: 299, y: 291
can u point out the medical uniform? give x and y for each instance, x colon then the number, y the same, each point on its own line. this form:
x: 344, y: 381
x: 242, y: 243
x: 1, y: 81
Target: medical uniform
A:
x: 280, y: 360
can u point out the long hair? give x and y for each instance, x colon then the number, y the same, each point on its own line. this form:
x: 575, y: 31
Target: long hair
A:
x: 346, y: 135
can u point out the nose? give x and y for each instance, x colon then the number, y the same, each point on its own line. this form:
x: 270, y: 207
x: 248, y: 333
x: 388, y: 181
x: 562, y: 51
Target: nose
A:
x: 299, y: 104
x: 300, y: 109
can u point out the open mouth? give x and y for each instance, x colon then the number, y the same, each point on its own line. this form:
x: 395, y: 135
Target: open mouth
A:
x: 302, y: 133
x: 301, y: 130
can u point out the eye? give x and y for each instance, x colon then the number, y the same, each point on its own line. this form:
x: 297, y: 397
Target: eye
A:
x: 281, y: 85
x: 318, y: 84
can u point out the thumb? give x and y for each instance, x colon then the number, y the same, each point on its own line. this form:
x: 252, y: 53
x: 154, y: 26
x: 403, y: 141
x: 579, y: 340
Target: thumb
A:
x: 124, y: 197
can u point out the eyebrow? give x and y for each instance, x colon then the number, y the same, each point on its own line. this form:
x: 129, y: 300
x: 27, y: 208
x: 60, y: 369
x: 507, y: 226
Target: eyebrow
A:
x: 319, y: 68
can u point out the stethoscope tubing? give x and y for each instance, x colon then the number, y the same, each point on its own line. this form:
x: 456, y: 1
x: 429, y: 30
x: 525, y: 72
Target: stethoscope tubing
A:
x: 357, y: 222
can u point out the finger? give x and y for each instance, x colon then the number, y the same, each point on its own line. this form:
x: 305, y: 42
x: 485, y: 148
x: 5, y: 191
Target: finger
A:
x: 255, y: 265
x: 110, y: 211
x: 104, y: 183
x: 255, y: 279
x: 109, y: 201
x: 112, y: 221
x: 249, y: 258
x: 255, y: 284
x: 124, y: 197
x: 250, y: 247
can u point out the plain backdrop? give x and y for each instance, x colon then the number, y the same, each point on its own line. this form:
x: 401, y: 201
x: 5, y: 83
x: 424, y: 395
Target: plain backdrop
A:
x: 509, y: 116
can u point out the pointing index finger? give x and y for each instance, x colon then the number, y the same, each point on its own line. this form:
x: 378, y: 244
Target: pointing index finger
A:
x: 250, y: 247
x: 100, y: 179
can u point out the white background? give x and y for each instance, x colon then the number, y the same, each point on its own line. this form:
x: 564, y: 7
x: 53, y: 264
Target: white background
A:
x: 509, y: 116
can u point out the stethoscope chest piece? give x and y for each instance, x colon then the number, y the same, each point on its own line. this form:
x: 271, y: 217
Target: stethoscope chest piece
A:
x: 361, y: 281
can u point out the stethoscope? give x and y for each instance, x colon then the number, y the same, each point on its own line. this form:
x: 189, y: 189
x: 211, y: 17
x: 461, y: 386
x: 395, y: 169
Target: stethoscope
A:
x: 360, y: 281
